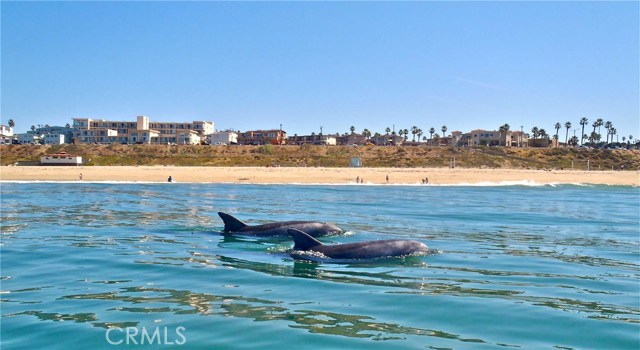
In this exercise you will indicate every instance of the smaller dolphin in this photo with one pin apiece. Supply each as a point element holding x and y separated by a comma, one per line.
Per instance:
<point>392,248</point>
<point>313,228</point>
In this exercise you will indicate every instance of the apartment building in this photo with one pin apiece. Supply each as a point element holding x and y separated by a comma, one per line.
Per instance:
<point>87,130</point>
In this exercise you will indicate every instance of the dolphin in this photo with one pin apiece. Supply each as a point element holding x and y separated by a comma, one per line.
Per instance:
<point>313,228</point>
<point>312,249</point>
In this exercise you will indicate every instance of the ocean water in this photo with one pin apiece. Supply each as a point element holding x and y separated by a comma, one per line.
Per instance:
<point>143,266</point>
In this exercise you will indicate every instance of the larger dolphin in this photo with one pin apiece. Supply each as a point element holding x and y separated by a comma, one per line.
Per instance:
<point>312,249</point>
<point>313,228</point>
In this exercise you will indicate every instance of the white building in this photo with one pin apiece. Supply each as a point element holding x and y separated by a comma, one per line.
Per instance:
<point>6,134</point>
<point>223,138</point>
<point>189,137</point>
<point>62,158</point>
<point>54,139</point>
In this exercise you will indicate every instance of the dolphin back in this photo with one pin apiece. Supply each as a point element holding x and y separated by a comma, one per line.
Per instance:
<point>302,240</point>
<point>231,224</point>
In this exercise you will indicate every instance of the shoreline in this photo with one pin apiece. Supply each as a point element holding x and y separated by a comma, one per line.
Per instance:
<point>313,175</point>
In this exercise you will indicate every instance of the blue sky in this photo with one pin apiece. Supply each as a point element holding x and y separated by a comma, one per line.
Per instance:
<point>256,65</point>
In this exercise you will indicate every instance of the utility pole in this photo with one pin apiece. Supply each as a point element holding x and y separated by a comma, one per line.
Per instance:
<point>521,135</point>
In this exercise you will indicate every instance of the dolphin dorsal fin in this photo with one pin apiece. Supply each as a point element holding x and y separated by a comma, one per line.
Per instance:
<point>231,224</point>
<point>302,240</point>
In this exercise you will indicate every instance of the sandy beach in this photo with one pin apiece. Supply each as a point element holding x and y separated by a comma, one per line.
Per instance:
<point>279,175</point>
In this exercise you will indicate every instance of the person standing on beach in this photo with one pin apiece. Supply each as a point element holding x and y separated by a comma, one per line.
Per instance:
<point>80,176</point>
<point>170,179</point>
<point>387,178</point>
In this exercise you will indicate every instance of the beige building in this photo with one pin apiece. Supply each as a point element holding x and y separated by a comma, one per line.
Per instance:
<point>87,130</point>
<point>481,137</point>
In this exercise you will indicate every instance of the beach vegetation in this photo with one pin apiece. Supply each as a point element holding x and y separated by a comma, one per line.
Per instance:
<point>333,156</point>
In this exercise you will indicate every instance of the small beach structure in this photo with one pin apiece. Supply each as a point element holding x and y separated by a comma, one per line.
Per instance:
<point>356,162</point>
<point>61,158</point>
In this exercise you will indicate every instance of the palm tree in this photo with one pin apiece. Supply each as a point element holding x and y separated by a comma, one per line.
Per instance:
<point>11,123</point>
<point>566,137</point>
<point>543,134</point>
<point>414,131</point>
<point>592,137</point>
<point>535,132</point>
<point>33,128</point>
<point>67,126</point>
<point>600,123</point>
<point>584,121</point>
<point>366,133</point>
<point>444,129</point>
<point>595,125</point>
<point>419,134</point>
<point>613,132</point>
<point>387,130</point>
<point>557,127</point>
<point>504,129</point>
<point>608,125</point>
<point>431,132</point>
<point>574,140</point>
<point>353,129</point>
<point>406,134</point>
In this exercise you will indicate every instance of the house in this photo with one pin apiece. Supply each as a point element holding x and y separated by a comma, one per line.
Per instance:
<point>387,140</point>
<point>48,135</point>
<point>263,137</point>
<point>6,134</point>
<point>54,139</point>
<point>519,139</point>
<point>328,140</point>
<point>227,137</point>
<point>352,139</point>
<point>28,138</point>
<point>481,137</point>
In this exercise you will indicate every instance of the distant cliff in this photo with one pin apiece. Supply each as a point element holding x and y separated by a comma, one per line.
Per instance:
<point>333,156</point>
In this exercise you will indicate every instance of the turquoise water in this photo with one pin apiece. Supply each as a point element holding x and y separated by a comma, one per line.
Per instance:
<point>520,267</point>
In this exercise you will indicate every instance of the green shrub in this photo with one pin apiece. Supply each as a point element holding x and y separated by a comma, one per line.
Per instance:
<point>265,149</point>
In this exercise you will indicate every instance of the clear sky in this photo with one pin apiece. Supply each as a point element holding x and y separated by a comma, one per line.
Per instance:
<point>256,65</point>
